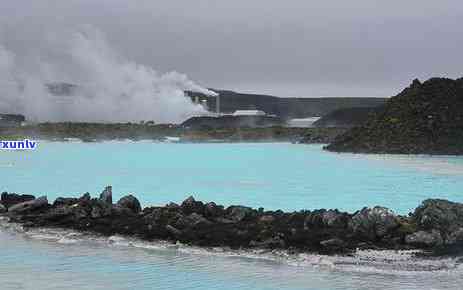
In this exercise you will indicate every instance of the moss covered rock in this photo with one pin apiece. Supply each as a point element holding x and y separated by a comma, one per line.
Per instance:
<point>425,118</point>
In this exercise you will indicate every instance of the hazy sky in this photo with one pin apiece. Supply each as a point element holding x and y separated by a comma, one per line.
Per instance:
<point>288,48</point>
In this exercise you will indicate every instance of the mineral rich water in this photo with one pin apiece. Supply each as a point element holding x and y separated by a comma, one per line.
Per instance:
<point>273,176</point>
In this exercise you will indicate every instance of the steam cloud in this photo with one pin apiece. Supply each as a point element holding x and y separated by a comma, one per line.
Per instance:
<point>109,88</point>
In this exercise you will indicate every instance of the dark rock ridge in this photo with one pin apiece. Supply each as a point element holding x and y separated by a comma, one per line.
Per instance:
<point>425,118</point>
<point>345,118</point>
<point>321,135</point>
<point>436,226</point>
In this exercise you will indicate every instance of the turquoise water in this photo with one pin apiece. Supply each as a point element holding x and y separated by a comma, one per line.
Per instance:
<point>50,260</point>
<point>275,176</point>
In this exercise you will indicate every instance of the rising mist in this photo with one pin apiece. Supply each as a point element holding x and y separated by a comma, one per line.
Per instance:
<point>109,87</point>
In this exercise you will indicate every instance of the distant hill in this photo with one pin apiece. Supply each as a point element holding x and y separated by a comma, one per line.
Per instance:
<point>348,117</point>
<point>286,108</point>
<point>8,120</point>
<point>424,118</point>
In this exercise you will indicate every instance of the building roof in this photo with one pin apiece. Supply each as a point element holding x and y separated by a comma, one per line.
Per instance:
<point>249,113</point>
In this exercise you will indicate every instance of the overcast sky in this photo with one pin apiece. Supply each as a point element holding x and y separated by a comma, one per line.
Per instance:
<point>288,48</point>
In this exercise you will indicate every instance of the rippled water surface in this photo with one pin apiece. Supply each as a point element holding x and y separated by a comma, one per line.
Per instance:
<point>275,176</point>
<point>49,259</point>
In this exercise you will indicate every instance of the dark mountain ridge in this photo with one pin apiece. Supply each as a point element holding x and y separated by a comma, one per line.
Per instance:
<point>230,101</point>
<point>285,108</point>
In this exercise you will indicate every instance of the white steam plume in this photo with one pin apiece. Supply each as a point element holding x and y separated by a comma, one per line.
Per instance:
<point>110,88</point>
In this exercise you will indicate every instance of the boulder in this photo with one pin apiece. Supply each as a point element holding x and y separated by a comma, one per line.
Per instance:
<point>107,195</point>
<point>426,239</point>
<point>267,219</point>
<point>326,218</point>
<point>456,237</point>
<point>65,201</point>
<point>29,205</point>
<point>334,243</point>
<point>80,210</point>
<point>100,209</point>
<point>173,231</point>
<point>85,197</point>
<point>190,205</point>
<point>213,210</point>
<point>58,214</point>
<point>373,223</point>
<point>154,216</point>
<point>173,206</point>
<point>130,202</point>
<point>192,220</point>
<point>10,199</point>
<point>334,218</point>
<point>273,243</point>
<point>2,208</point>
<point>239,213</point>
<point>224,220</point>
<point>442,215</point>
<point>198,220</point>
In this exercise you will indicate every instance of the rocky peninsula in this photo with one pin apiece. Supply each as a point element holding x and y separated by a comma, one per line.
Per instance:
<point>436,226</point>
<point>425,118</point>
<point>92,132</point>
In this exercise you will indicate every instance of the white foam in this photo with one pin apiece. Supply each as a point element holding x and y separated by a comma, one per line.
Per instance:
<point>364,261</point>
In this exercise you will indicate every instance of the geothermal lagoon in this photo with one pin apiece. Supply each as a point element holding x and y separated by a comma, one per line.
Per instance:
<point>270,175</point>
<point>274,176</point>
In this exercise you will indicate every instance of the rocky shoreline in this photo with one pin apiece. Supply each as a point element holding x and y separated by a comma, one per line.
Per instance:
<point>436,226</point>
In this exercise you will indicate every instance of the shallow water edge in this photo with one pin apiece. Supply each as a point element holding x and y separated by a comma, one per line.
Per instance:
<point>404,262</point>
<point>435,226</point>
